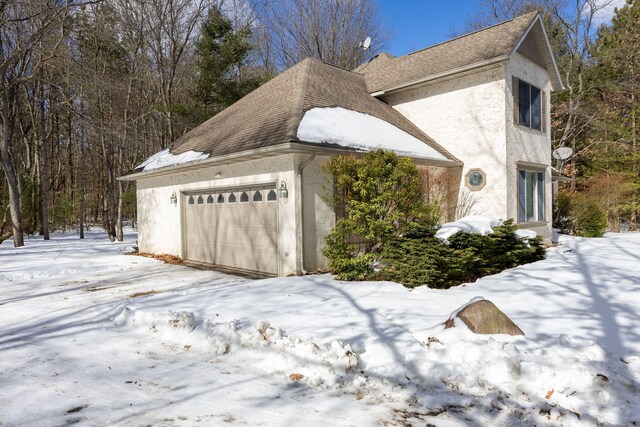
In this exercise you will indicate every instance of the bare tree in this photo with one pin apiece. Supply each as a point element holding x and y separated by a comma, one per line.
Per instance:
<point>23,25</point>
<point>571,25</point>
<point>329,30</point>
<point>171,28</point>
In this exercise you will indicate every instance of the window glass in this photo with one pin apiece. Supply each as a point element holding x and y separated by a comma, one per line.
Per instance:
<point>272,196</point>
<point>530,196</point>
<point>530,188</point>
<point>522,197</point>
<point>232,198</point>
<point>257,196</point>
<point>535,108</point>
<point>220,198</point>
<point>524,104</point>
<point>200,200</point>
<point>191,200</point>
<point>210,199</point>
<point>540,188</point>
<point>244,197</point>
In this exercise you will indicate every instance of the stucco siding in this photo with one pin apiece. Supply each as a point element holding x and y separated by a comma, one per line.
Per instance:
<point>466,116</point>
<point>524,144</point>
<point>159,227</point>
<point>318,215</point>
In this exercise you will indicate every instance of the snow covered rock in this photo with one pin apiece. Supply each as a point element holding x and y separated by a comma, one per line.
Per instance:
<point>483,317</point>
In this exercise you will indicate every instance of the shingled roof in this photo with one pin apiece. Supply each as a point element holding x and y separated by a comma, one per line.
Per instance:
<point>498,41</point>
<point>271,114</point>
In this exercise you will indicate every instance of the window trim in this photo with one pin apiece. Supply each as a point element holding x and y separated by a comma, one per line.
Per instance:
<point>472,187</point>
<point>515,91</point>
<point>538,194</point>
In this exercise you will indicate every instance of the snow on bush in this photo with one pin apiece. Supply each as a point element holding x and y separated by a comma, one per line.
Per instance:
<point>482,225</point>
<point>477,224</point>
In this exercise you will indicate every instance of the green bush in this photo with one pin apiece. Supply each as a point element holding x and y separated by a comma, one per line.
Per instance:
<point>580,214</point>
<point>590,219</point>
<point>562,212</point>
<point>381,195</point>
<point>416,259</point>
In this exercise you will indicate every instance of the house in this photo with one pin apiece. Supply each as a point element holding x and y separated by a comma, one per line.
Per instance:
<point>245,190</point>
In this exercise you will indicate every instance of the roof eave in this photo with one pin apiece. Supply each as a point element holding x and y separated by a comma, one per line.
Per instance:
<point>273,150</point>
<point>291,147</point>
<point>334,149</point>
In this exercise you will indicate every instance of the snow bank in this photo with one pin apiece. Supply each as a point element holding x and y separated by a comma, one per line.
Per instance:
<point>165,158</point>
<point>176,343</point>
<point>361,131</point>
<point>569,381</point>
<point>317,365</point>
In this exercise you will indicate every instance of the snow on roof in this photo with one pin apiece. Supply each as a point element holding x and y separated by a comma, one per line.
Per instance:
<point>361,131</point>
<point>165,158</point>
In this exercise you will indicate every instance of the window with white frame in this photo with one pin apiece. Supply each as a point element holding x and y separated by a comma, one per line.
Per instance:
<point>530,196</point>
<point>529,105</point>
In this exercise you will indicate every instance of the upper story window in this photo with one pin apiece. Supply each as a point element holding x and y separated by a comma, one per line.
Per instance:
<point>529,105</point>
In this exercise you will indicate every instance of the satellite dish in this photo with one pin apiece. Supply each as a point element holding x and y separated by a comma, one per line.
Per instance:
<point>366,43</point>
<point>562,153</point>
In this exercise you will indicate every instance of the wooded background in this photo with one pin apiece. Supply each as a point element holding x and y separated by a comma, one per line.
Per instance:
<point>89,89</point>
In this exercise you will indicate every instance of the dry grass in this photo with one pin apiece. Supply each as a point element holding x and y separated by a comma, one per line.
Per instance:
<point>143,294</point>
<point>166,258</point>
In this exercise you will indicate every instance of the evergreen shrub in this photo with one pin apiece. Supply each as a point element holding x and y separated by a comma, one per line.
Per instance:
<point>381,195</point>
<point>387,224</point>
<point>419,259</point>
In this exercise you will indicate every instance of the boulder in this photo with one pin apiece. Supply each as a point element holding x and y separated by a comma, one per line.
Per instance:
<point>483,317</point>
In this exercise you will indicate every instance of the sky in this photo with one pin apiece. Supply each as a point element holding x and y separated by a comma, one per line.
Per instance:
<point>420,23</point>
<point>417,24</point>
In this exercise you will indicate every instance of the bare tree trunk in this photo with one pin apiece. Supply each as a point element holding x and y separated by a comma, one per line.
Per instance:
<point>125,135</point>
<point>81,180</point>
<point>44,157</point>
<point>634,210</point>
<point>5,217</point>
<point>10,172</point>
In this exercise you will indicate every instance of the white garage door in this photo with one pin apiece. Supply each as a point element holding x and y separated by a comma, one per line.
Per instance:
<point>233,228</point>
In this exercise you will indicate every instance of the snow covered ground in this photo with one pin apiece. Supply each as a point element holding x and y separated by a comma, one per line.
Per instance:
<point>80,342</point>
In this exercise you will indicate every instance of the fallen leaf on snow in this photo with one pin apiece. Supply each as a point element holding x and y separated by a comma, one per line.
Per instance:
<point>549,394</point>
<point>296,377</point>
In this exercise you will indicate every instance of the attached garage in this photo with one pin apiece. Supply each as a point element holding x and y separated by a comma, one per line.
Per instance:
<point>246,189</point>
<point>235,228</point>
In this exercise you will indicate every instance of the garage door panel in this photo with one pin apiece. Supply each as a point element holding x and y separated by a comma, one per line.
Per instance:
<point>237,235</point>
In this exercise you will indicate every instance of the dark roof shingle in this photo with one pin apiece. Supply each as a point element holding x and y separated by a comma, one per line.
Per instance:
<point>483,45</point>
<point>270,115</point>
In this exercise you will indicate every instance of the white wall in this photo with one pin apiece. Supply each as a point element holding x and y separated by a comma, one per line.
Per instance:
<point>524,144</point>
<point>159,225</point>
<point>472,117</point>
<point>318,216</point>
<point>466,116</point>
